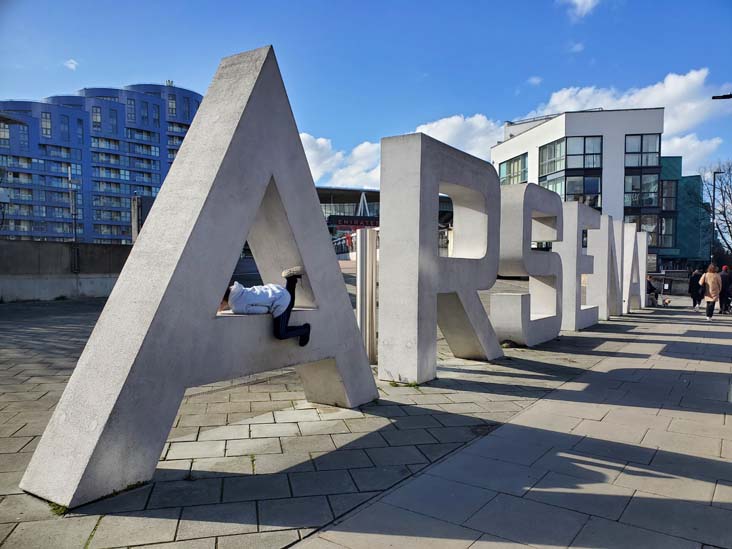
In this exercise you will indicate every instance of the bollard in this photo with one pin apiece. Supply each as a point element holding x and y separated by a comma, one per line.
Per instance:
<point>366,277</point>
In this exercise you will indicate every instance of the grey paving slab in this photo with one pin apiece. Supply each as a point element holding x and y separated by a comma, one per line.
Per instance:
<point>217,520</point>
<point>321,483</point>
<point>264,430</point>
<point>340,504</point>
<point>154,526</point>
<point>305,444</point>
<point>23,508</point>
<point>131,500</point>
<point>323,427</point>
<point>58,533</point>
<point>182,450</point>
<point>256,487</point>
<point>615,450</point>
<point>295,512</point>
<point>692,521</point>
<point>263,540</point>
<point>501,476</point>
<point>226,432</point>
<point>398,455</point>
<point>379,478</point>
<point>514,451</point>
<point>452,434</point>
<point>592,498</point>
<point>440,498</point>
<point>341,459</point>
<point>253,446</point>
<point>221,467</point>
<point>282,463</point>
<point>608,534</point>
<point>353,441</point>
<point>581,466</point>
<point>185,492</point>
<point>486,541</point>
<point>407,437</point>
<point>683,443</point>
<point>529,522</point>
<point>382,525</point>
<point>659,480</point>
<point>205,543</point>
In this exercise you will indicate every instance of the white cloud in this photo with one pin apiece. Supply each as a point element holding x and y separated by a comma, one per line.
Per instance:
<point>686,98</point>
<point>534,80</point>
<point>475,134</point>
<point>576,47</point>
<point>71,64</point>
<point>580,8</point>
<point>321,156</point>
<point>696,152</point>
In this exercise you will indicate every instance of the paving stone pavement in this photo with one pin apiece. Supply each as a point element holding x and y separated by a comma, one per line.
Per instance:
<point>631,451</point>
<point>631,430</point>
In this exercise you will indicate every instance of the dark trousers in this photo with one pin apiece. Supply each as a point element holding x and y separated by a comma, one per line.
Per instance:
<point>282,330</point>
<point>724,302</point>
<point>696,299</point>
<point>710,308</point>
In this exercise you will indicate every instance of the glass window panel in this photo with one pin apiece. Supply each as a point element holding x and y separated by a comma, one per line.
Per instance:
<point>575,185</point>
<point>649,183</point>
<point>632,183</point>
<point>632,143</point>
<point>651,142</point>
<point>593,161</point>
<point>593,145</point>
<point>632,160</point>
<point>650,159</point>
<point>592,185</point>
<point>575,161</point>
<point>575,145</point>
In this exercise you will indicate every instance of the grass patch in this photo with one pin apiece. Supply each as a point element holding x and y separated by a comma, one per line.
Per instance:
<point>58,510</point>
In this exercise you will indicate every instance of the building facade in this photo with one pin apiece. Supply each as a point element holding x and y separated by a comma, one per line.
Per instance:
<point>610,160</point>
<point>71,164</point>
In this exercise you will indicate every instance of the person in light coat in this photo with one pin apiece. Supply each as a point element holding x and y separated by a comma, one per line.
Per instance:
<point>712,284</point>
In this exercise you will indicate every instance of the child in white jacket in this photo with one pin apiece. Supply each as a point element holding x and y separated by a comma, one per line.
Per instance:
<point>270,298</point>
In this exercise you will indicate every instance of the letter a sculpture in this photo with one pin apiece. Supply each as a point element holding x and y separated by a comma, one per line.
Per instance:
<point>241,175</point>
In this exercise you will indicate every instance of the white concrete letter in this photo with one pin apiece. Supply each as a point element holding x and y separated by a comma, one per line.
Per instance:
<point>241,174</point>
<point>417,288</point>
<point>577,218</point>
<point>605,284</point>
<point>633,284</point>
<point>643,266</point>
<point>529,213</point>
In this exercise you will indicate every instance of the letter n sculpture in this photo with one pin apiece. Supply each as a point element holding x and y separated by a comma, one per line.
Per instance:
<point>241,175</point>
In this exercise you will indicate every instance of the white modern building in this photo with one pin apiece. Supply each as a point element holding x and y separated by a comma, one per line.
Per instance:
<point>592,156</point>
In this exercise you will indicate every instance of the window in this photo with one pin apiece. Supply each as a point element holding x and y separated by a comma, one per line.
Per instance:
<point>584,152</point>
<point>514,171</point>
<point>666,232</point>
<point>23,137</point>
<point>551,157</point>
<point>172,105</point>
<point>97,119</point>
<point>65,133</point>
<point>144,113</point>
<point>4,135</point>
<point>649,223</point>
<point>668,195</point>
<point>586,189</point>
<point>642,150</point>
<point>186,108</point>
<point>113,120</point>
<point>641,191</point>
<point>156,116</point>
<point>131,111</point>
<point>46,124</point>
<point>80,130</point>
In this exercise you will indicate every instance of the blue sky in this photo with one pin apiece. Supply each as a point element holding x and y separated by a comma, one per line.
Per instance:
<point>358,71</point>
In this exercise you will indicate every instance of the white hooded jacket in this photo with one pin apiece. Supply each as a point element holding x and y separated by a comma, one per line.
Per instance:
<point>257,300</point>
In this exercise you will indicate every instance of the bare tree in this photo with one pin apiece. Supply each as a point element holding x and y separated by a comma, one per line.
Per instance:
<point>717,193</point>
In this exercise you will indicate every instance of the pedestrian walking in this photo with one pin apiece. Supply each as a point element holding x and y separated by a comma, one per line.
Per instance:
<point>724,295</point>
<point>712,284</point>
<point>695,291</point>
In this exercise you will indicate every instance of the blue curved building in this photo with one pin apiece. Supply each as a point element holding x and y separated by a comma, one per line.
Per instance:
<point>72,163</point>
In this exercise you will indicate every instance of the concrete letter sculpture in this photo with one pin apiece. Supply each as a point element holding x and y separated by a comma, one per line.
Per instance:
<point>577,218</point>
<point>417,288</point>
<point>605,284</point>
<point>241,174</point>
<point>633,284</point>
<point>642,237</point>
<point>529,213</point>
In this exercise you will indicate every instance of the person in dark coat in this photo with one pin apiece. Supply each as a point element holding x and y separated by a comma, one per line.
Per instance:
<point>724,295</point>
<point>695,291</point>
<point>651,292</point>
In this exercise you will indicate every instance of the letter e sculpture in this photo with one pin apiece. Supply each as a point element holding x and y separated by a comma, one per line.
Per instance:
<point>529,213</point>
